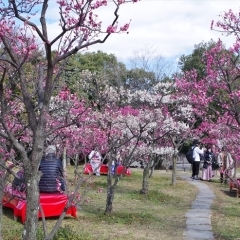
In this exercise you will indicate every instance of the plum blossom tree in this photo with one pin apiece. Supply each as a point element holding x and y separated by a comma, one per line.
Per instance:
<point>62,105</point>
<point>126,118</point>
<point>215,97</point>
<point>26,97</point>
<point>172,123</point>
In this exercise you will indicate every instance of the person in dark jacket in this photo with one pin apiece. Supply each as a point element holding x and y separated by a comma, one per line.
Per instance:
<point>207,171</point>
<point>52,179</point>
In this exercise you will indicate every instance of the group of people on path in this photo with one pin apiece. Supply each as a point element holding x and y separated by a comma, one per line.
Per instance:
<point>211,162</point>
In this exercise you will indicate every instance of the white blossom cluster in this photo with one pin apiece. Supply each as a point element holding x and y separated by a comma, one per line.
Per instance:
<point>163,150</point>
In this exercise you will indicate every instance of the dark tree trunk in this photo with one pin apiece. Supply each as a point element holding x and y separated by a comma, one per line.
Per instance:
<point>32,177</point>
<point>2,185</point>
<point>64,159</point>
<point>110,189</point>
<point>110,197</point>
<point>155,163</point>
<point>235,169</point>
<point>3,182</point>
<point>144,189</point>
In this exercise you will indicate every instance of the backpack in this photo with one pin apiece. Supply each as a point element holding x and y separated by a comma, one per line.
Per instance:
<point>18,182</point>
<point>189,155</point>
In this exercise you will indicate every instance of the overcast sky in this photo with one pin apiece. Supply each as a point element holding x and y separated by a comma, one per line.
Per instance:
<point>172,27</point>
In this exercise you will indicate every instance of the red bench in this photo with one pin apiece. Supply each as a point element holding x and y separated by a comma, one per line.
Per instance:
<point>235,185</point>
<point>121,170</point>
<point>52,204</point>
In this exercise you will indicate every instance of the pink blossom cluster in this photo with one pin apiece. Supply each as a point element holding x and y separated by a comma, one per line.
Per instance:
<point>111,29</point>
<point>59,184</point>
<point>98,4</point>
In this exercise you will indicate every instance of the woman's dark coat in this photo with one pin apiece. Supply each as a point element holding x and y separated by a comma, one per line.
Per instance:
<point>52,170</point>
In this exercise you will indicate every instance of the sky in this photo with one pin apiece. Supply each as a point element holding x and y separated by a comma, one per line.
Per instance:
<point>169,28</point>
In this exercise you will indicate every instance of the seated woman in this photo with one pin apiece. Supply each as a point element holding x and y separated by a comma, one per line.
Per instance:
<point>52,179</point>
<point>95,160</point>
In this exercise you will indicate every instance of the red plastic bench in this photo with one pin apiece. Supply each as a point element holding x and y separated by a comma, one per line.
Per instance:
<point>52,204</point>
<point>234,185</point>
<point>121,170</point>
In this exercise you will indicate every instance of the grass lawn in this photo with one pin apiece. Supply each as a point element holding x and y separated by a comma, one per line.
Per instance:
<point>225,211</point>
<point>158,215</point>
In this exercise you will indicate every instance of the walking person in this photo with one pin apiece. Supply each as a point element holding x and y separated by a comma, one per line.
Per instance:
<point>207,171</point>
<point>197,151</point>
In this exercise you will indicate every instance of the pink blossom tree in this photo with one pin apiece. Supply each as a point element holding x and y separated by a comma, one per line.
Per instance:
<point>21,35</point>
<point>215,97</point>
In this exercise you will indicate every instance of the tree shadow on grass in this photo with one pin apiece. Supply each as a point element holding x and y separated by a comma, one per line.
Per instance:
<point>232,193</point>
<point>8,212</point>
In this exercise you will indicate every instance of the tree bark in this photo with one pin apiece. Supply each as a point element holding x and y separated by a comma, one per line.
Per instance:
<point>235,169</point>
<point>155,163</point>
<point>64,158</point>
<point>32,196</point>
<point>144,189</point>
<point>109,201</point>
<point>3,182</point>
<point>110,189</point>
<point>2,185</point>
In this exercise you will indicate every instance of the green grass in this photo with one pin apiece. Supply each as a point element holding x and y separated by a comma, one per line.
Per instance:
<point>225,212</point>
<point>157,215</point>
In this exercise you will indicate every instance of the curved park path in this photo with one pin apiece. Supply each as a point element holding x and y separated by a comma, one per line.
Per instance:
<point>199,216</point>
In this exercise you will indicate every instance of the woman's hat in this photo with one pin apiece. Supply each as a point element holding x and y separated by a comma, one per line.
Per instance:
<point>50,149</point>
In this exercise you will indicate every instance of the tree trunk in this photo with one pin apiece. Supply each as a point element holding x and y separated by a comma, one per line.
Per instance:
<point>144,189</point>
<point>235,169</point>
<point>110,197</point>
<point>110,189</point>
<point>155,163</point>
<point>64,158</point>
<point>174,170</point>
<point>3,182</point>
<point>76,165</point>
<point>32,195</point>
<point>2,185</point>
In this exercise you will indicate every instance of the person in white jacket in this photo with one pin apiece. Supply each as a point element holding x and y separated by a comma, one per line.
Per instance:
<point>95,161</point>
<point>197,151</point>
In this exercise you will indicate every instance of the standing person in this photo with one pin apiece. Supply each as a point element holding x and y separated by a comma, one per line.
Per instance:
<point>215,165</point>
<point>196,155</point>
<point>117,162</point>
<point>52,179</point>
<point>119,158</point>
<point>209,158</point>
<point>225,161</point>
<point>95,161</point>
